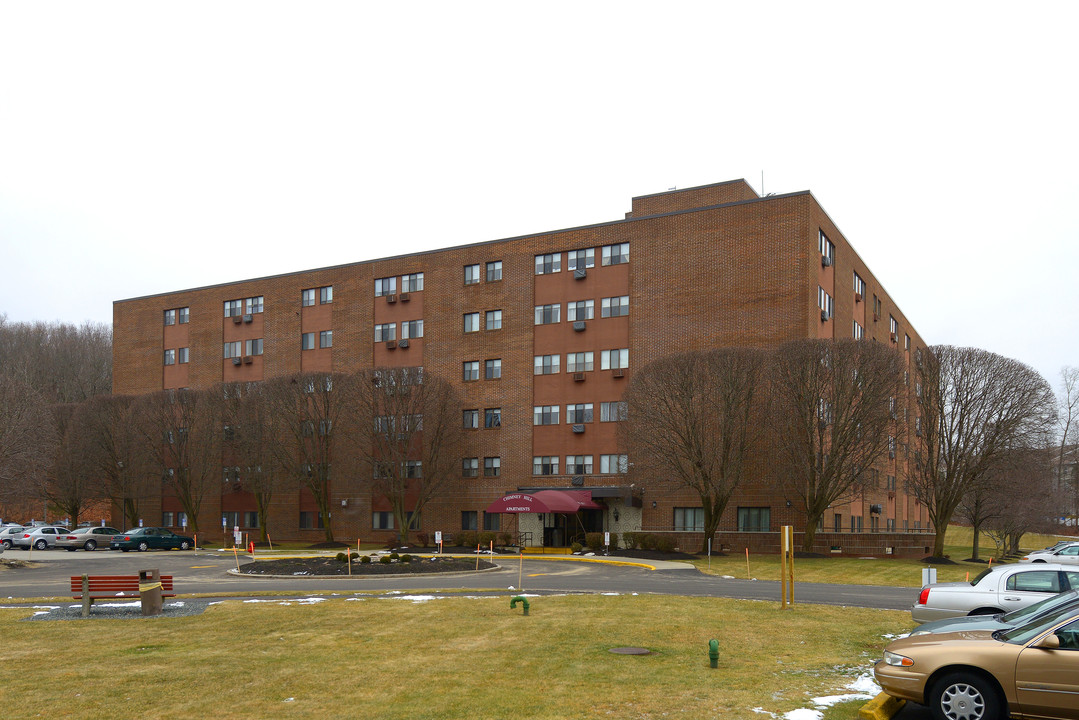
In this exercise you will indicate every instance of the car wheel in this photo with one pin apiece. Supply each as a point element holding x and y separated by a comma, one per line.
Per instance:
<point>185,545</point>
<point>143,547</point>
<point>40,545</point>
<point>6,544</point>
<point>964,696</point>
<point>90,545</point>
<point>1034,562</point>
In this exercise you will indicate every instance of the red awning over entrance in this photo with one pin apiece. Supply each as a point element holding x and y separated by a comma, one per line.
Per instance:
<point>545,501</point>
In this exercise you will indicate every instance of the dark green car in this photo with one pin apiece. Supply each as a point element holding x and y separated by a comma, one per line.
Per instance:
<point>151,538</point>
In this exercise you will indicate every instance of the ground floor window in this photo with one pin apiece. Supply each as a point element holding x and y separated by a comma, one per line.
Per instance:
<point>492,521</point>
<point>754,519</point>
<point>468,520</point>
<point>310,520</point>
<point>382,520</point>
<point>174,519</point>
<point>689,519</point>
<point>251,519</point>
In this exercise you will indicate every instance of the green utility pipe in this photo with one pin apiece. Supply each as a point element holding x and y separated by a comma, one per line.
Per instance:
<point>713,653</point>
<point>524,604</point>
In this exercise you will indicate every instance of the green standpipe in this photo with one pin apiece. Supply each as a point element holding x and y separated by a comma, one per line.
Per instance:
<point>713,653</point>
<point>524,604</point>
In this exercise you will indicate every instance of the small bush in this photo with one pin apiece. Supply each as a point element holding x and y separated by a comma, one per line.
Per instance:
<point>594,540</point>
<point>365,560</point>
<point>486,538</point>
<point>341,557</point>
<point>648,541</point>
<point>423,539</point>
<point>394,556</point>
<point>406,558</point>
<point>505,539</point>
<point>614,541</point>
<point>632,540</point>
<point>664,543</point>
<point>385,560</point>
<point>354,556</point>
<point>576,547</point>
<point>467,538</point>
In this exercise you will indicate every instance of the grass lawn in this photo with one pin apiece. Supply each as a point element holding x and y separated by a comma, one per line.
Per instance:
<point>446,658</point>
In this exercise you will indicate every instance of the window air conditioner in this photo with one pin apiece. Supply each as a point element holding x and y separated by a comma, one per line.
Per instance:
<point>391,298</point>
<point>618,372</point>
<point>247,360</point>
<point>578,326</point>
<point>236,361</point>
<point>237,319</point>
<point>248,318</point>
<point>824,316</point>
<point>857,297</point>
<point>405,297</point>
<point>403,343</point>
<point>578,428</point>
<point>578,377</point>
<point>391,344</point>
<point>580,274</point>
<point>875,509</point>
<point>825,261</point>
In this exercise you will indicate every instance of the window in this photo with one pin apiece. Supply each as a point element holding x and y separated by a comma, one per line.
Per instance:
<point>580,310</point>
<point>859,331</point>
<point>492,521</point>
<point>492,417</point>
<point>906,343</point>
<point>385,286</point>
<point>613,464</point>
<point>170,357</point>
<point>893,327</point>
<point>581,259</point>
<point>233,307</point>
<point>579,362</point>
<point>492,466</point>
<point>413,468</point>
<point>494,271</point>
<point>307,341</point>
<point>688,519</point>
<point>254,305</point>
<point>548,314</point>
<point>579,413</point>
<point>385,332</point>
<point>311,520</point>
<point>471,322</point>
<point>545,465</point>
<point>185,317</point>
<point>545,415</point>
<point>325,339</point>
<point>494,319</point>
<point>254,347</point>
<point>170,317</point>
<point>611,359</point>
<point>468,520</point>
<point>307,297</point>
<point>251,519</point>
<point>183,354</point>
<point>827,249</point>
<point>859,286</point>
<point>614,306</point>
<point>890,524</point>
<point>890,483</point>
<point>470,371</point>
<point>546,364</point>
<point>754,519</point>
<point>470,419</point>
<point>382,520</point>
<point>615,254</point>
<point>837,523</point>
<point>579,464</point>
<point>825,303</point>
<point>413,282</point>
<point>411,329</point>
<point>492,369</point>
<point>1047,581</point>
<point>612,411</point>
<point>472,274</point>
<point>855,523</point>
<point>876,308</point>
<point>547,264</point>
<point>470,467</point>
<point>232,349</point>
<point>325,295</point>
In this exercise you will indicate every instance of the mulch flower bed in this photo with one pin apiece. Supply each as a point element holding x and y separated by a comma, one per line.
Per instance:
<point>333,566</point>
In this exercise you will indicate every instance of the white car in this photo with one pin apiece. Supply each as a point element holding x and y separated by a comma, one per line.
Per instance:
<point>996,590</point>
<point>39,538</point>
<point>8,534</point>
<point>1066,555</point>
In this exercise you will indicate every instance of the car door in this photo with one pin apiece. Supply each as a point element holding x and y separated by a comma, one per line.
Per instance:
<point>1047,680</point>
<point>1068,555</point>
<point>1028,586</point>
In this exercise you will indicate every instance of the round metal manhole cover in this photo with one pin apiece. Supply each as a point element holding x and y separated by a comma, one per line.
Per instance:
<point>631,651</point>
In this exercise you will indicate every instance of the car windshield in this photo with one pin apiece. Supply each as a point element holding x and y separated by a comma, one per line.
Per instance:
<point>1025,633</point>
<point>1025,615</point>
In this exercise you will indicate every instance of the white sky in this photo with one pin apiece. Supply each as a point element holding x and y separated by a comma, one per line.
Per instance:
<point>148,147</point>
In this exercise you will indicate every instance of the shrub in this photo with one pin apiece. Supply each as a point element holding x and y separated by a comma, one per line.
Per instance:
<point>394,556</point>
<point>385,560</point>
<point>576,547</point>
<point>505,539</point>
<point>354,556</point>
<point>648,541</point>
<point>406,558</point>
<point>614,541</point>
<point>340,557</point>
<point>423,539</point>
<point>664,543</point>
<point>366,559</point>
<point>632,540</point>
<point>594,540</point>
<point>486,538</point>
<point>467,538</point>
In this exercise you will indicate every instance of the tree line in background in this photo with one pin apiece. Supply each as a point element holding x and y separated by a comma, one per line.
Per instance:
<point>814,418</point>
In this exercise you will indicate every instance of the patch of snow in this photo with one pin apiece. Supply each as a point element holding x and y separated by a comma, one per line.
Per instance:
<point>136,603</point>
<point>762,711</point>
<point>804,714</point>
<point>289,700</point>
<point>415,598</point>
<point>177,604</point>
<point>610,593</point>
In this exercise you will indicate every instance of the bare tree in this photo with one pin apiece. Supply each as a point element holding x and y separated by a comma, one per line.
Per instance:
<point>1035,509</point>
<point>27,440</point>
<point>688,418</point>
<point>64,363</point>
<point>835,409</point>
<point>71,483</point>
<point>182,431</point>
<point>974,407</point>
<point>117,452</point>
<point>988,502</point>
<point>1068,432</point>
<point>414,439</point>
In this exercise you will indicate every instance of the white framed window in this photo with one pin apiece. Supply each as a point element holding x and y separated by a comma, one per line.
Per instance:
<point>581,259</point>
<point>579,362</point>
<point>827,249</point>
<point>253,305</point>
<point>859,285</point>
<point>578,413</point>
<point>492,417</point>
<point>307,341</point>
<point>548,264</point>
<point>471,322</point>
<point>233,349</point>
<point>470,370</point>
<point>906,343</point>
<point>325,339</point>
<point>580,310</point>
<point>307,297</point>
<point>413,468</point>
<point>612,359</point>
<point>492,369</point>
<point>546,364</point>
<point>579,464</point>
<point>253,347</point>
<point>614,306</point>
<point>170,317</point>
<point>381,520</point>
<point>470,467</point>
<point>385,286</point>
<point>183,355</point>
<point>548,314</point>
<point>494,271</point>
<point>825,303</point>
<point>753,519</point>
<point>615,254</point>
<point>170,357</point>
<point>413,282</point>
<point>385,332</point>
<point>234,307</point>
<point>325,295</point>
<point>472,274</point>
<point>411,329</point>
<point>614,411</point>
<point>470,419</point>
<point>493,319</point>
<point>545,465</point>
<point>545,415</point>
<point>859,331</point>
<point>613,464</point>
<point>688,519</point>
<point>492,466</point>
<point>184,315</point>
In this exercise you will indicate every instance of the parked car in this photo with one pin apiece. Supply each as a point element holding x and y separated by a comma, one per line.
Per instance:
<point>8,533</point>
<point>995,590</point>
<point>38,538</point>
<point>1002,621</point>
<point>1029,671</point>
<point>87,538</point>
<point>156,538</point>
<point>1066,555</point>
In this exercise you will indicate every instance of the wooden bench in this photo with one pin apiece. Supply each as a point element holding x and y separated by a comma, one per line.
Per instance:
<point>111,587</point>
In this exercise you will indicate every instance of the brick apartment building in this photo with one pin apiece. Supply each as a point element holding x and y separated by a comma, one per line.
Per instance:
<point>541,333</point>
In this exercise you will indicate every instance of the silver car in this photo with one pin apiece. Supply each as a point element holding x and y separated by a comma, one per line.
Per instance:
<point>39,538</point>
<point>8,534</point>
<point>87,538</point>
<point>1065,555</point>
<point>996,590</point>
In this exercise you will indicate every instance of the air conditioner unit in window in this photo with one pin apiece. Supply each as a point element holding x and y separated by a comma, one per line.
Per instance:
<point>824,316</point>
<point>578,326</point>
<point>248,318</point>
<point>405,297</point>
<point>236,361</point>
<point>825,261</point>
<point>580,274</point>
<point>875,509</point>
<point>237,319</point>
<point>578,377</point>
<point>891,454</point>
<point>891,495</point>
<point>247,360</point>
<point>618,372</point>
<point>403,343</point>
<point>391,298</point>
<point>578,428</point>
<point>918,432</point>
<point>391,344</point>
<point>857,297</point>
<point>894,338</point>
<point>577,480</point>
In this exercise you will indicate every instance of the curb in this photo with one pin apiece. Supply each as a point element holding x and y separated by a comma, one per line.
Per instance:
<point>882,707</point>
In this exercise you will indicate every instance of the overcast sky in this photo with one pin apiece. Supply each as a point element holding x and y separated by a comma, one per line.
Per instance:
<point>148,147</point>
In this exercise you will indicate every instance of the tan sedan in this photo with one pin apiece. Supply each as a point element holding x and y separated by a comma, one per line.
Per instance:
<point>1031,671</point>
<point>87,538</point>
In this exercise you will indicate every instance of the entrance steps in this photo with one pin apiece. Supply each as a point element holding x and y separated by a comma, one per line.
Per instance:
<point>546,551</point>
